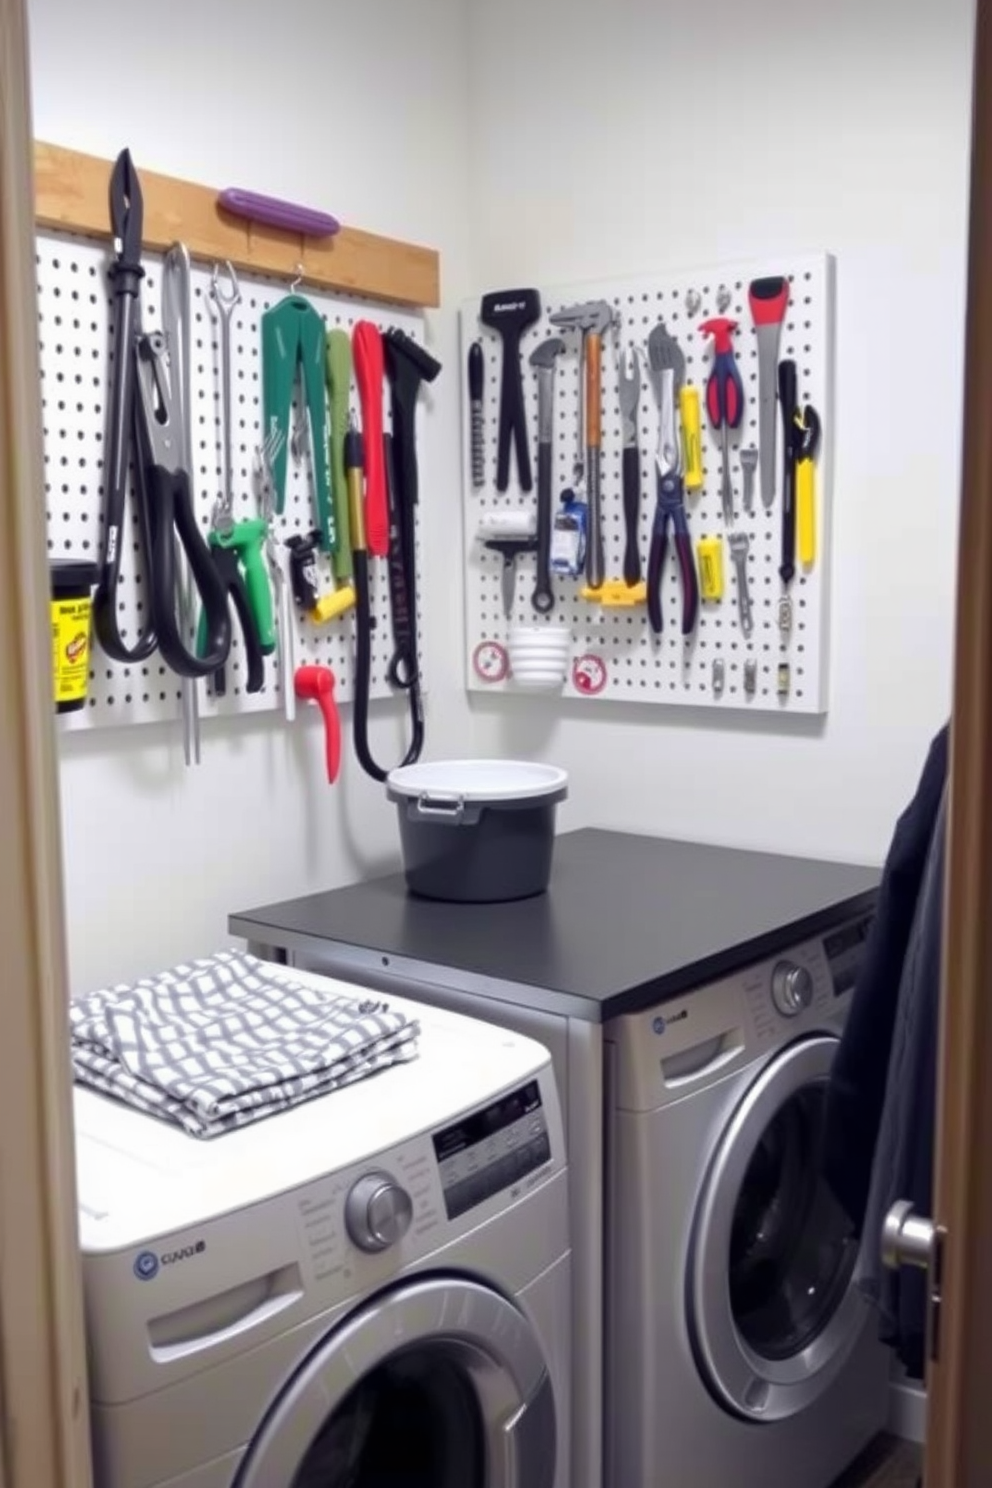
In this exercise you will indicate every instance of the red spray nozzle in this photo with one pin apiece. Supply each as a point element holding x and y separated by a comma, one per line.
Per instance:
<point>721,329</point>
<point>315,684</point>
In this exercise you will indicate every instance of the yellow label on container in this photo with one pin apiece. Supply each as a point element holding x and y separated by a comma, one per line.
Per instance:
<point>70,648</point>
<point>710,553</point>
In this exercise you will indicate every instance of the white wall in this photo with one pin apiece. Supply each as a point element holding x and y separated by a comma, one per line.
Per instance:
<point>360,109</point>
<point>617,138</point>
<point>556,141</point>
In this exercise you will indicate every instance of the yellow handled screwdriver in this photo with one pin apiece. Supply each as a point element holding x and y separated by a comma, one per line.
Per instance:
<point>808,429</point>
<point>692,437</point>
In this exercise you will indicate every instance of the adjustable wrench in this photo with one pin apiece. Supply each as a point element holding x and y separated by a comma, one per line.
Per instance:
<point>543,361</point>
<point>740,545</point>
<point>593,319</point>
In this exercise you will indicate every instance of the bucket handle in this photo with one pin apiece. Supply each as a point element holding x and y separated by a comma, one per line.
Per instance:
<point>451,810</point>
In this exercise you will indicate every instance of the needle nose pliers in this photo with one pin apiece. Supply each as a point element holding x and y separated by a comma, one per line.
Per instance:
<point>667,368</point>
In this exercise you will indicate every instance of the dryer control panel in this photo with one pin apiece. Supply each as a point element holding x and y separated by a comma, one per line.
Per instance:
<point>702,1035</point>
<point>493,1147</point>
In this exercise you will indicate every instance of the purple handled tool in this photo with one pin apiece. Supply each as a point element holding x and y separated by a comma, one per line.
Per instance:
<point>276,213</point>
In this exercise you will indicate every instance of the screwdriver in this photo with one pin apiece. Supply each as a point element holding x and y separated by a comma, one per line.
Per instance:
<point>724,398</point>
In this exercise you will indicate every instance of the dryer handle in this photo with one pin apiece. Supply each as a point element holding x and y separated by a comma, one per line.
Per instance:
<point>702,1059</point>
<point>226,1315</point>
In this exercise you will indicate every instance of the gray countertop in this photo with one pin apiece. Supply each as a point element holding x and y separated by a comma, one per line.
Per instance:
<point>627,922</point>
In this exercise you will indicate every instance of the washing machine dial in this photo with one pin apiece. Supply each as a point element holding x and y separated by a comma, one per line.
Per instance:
<point>792,988</point>
<point>377,1212</point>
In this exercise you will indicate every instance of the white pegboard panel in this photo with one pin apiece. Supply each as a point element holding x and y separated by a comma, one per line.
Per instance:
<point>76,337</point>
<point>638,666</point>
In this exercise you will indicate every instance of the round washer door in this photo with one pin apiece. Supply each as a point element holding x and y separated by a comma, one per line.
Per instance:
<point>772,1310</point>
<point>441,1382</point>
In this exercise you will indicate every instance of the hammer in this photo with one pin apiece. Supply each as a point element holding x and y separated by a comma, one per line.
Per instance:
<point>593,319</point>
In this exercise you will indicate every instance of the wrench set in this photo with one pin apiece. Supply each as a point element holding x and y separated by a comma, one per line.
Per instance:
<point>642,505</point>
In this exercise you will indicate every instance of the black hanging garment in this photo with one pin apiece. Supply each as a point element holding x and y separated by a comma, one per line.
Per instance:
<point>881,1102</point>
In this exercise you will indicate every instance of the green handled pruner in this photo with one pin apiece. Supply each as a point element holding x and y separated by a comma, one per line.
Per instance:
<point>294,339</point>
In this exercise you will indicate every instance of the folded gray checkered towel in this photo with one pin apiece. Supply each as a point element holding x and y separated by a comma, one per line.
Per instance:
<point>216,1043</point>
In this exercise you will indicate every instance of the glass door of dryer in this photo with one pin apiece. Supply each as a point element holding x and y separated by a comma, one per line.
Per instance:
<point>773,1309</point>
<point>440,1383</point>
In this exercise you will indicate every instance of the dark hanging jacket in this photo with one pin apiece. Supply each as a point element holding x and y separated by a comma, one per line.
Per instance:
<point>903,1167</point>
<point>856,1093</point>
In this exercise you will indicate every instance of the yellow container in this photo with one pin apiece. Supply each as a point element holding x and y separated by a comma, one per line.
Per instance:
<point>709,551</point>
<point>72,582</point>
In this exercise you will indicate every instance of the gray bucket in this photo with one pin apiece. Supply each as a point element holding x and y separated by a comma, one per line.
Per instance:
<point>477,831</point>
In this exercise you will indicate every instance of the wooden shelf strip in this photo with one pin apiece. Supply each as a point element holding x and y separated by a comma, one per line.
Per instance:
<point>71,194</point>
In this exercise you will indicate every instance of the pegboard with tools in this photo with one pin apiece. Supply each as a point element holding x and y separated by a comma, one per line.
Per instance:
<point>76,344</point>
<point>738,617</point>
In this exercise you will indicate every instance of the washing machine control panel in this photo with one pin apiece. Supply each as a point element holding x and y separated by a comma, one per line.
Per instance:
<point>492,1148</point>
<point>792,988</point>
<point>844,950</point>
<point>657,1055</point>
<point>377,1211</point>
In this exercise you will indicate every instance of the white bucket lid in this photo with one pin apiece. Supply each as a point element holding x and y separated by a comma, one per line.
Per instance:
<point>478,780</point>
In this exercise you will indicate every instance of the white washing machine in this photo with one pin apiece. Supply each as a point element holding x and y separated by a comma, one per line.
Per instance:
<point>369,1291</point>
<point>738,1349</point>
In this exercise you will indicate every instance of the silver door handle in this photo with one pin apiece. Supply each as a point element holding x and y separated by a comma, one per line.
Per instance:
<point>907,1238</point>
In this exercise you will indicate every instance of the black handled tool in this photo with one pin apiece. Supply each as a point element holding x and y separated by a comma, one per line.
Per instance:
<point>228,565</point>
<point>126,274</point>
<point>171,516</point>
<point>402,671</point>
<point>407,366</point>
<point>476,386</point>
<point>511,312</point>
<point>509,549</point>
<point>791,439</point>
<point>629,388</point>
<point>543,361</point>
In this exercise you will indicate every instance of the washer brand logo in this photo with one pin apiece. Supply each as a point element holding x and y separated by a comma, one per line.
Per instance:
<point>660,1024</point>
<point>186,1253</point>
<point>147,1264</point>
<point>505,306</point>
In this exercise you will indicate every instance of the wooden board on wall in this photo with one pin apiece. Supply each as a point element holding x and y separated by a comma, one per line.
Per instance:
<point>71,194</point>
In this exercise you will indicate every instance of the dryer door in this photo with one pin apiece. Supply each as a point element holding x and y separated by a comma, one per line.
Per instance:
<point>772,1308</point>
<point>439,1384</point>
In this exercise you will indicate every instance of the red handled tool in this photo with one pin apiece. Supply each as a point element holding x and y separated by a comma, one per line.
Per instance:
<point>724,398</point>
<point>369,372</point>
<point>315,684</point>
<point>769,300</point>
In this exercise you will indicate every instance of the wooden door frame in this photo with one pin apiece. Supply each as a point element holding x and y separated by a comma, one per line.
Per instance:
<point>959,1428</point>
<point>44,1440</point>
<point>44,1423</point>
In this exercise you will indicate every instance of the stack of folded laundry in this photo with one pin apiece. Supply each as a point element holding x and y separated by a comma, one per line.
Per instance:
<point>216,1043</point>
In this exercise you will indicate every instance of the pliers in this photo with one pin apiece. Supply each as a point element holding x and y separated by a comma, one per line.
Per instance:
<point>227,564</point>
<point>171,516</point>
<point>666,367</point>
<point>237,553</point>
